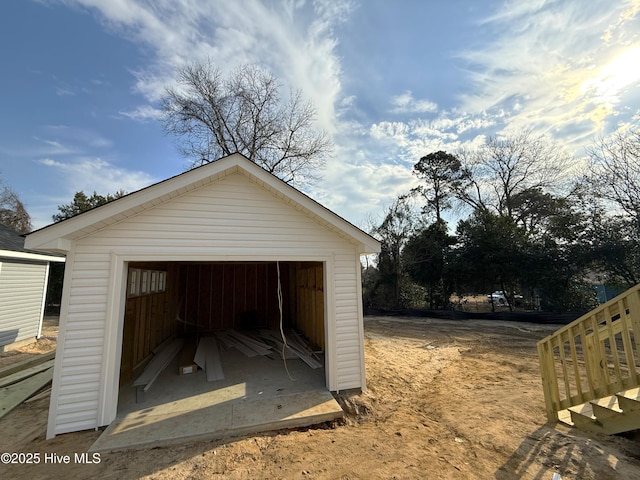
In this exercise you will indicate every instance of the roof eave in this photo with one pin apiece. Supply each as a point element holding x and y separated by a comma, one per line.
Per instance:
<point>59,237</point>
<point>30,256</point>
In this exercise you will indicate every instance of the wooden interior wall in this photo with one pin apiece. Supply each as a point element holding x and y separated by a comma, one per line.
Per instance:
<point>309,304</point>
<point>206,297</point>
<point>148,321</point>
<point>218,296</point>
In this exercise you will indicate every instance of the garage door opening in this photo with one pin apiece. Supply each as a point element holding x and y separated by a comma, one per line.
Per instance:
<point>194,300</point>
<point>191,301</point>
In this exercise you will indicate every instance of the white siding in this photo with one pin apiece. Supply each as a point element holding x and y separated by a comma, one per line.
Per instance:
<point>229,219</point>
<point>83,343</point>
<point>21,296</point>
<point>348,341</point>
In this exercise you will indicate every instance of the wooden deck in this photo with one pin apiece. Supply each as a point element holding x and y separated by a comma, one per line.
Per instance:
<point>591,368</point>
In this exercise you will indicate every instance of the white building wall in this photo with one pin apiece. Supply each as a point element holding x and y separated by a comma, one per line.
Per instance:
<point>22,285</point>
<point>231,219</point>
<point>79,357</point>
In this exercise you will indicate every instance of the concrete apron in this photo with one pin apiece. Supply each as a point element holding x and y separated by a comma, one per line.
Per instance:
<point>256,395</point>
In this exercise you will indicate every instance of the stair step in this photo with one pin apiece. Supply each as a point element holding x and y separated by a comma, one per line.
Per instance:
<point>582,417</point>
<point>564,416</point>
<point>606,408</point>
<point>629,400</point>
<point>610,415</point>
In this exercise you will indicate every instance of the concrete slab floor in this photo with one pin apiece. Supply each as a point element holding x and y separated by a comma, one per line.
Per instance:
<point>256,395</point>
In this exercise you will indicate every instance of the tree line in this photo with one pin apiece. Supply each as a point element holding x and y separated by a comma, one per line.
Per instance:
<point>531,221</point>
<point>517,214</point>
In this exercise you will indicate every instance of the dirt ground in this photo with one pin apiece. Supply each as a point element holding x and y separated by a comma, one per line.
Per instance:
<point>447,399</point>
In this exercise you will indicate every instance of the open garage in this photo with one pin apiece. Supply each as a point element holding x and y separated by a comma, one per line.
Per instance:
<point>198,254</point>
<point>193,300</point>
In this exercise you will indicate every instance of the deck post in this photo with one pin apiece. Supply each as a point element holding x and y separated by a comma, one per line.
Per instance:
<point>549,380</point>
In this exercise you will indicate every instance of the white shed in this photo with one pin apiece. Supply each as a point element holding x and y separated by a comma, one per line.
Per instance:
<point>23,287</point>
<point>202,248</point>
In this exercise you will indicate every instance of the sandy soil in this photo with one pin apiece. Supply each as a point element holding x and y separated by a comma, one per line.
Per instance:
<point>446,400</point>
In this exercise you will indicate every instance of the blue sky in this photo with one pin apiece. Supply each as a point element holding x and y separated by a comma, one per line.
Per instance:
<point>392,81</point>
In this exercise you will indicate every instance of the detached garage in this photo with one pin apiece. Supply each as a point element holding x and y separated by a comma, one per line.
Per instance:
<point>23,289</point>
<point>205,251</point>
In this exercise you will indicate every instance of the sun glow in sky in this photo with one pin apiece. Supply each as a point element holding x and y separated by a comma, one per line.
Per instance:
<point>612,79</point>
<point>392,82</point>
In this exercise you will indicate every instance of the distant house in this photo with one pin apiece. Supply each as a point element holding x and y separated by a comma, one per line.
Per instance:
<point>215,248</point>
<point>23,287</point>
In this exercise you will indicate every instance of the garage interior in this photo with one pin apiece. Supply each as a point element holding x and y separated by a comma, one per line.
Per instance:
<point>195,300</point>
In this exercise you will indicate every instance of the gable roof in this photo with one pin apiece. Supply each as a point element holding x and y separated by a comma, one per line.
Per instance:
<point>58,237</point>
<point>12,246</point>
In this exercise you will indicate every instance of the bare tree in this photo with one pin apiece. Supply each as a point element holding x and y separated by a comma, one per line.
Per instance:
<point>13,213</point>
<point>244,113</point>
<point>615,171</point>
<point>504,168</point>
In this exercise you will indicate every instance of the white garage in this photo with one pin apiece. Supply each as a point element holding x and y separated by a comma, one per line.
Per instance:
<point>23,288</point>
<point>205,250</point>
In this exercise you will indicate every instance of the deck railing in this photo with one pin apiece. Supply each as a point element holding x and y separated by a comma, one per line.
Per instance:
<point>594,356</point>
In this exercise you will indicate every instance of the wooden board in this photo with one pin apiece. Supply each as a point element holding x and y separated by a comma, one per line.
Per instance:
<point>43,394</point>
<point>14,395</point>
<point>259,347</point>
<point>29,362</point>
<point>26,373</point>
<point>208,358</point>
<point>213,365</point>
<point>279,346</point>
<point>200,358</point>
<point>158,363</point>
<point>231,342</point>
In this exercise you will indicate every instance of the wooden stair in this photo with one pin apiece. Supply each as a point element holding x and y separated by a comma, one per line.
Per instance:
<point>610,415</point>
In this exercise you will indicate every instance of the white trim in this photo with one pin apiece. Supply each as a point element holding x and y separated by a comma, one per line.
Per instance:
<point>331,372</point>
<point>112,353</point>
<point>113,332</point>
<point>363,376</point>
<point>60,342</point>
<point>30,256</point>
<point>217,256</point>
<point>44,300</point>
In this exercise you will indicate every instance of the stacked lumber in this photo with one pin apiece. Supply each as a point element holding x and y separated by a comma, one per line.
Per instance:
<point>275,339</point>
<point>296,346</point>
<point>251,347</point>
<point>267,343</point>
<point>21,381</point>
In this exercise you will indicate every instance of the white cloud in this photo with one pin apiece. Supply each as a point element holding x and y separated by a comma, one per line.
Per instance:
<point>548,66</point>
<point>293,39</point>
<point>79,137</point>
<point>406,103</point>
<point>356,186</point>
<point>392,130</point>
<point>61,179</point>
<point>95,174</point>
<point>142,113</point>
<point>551,67</point>
<point>64,92</point>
